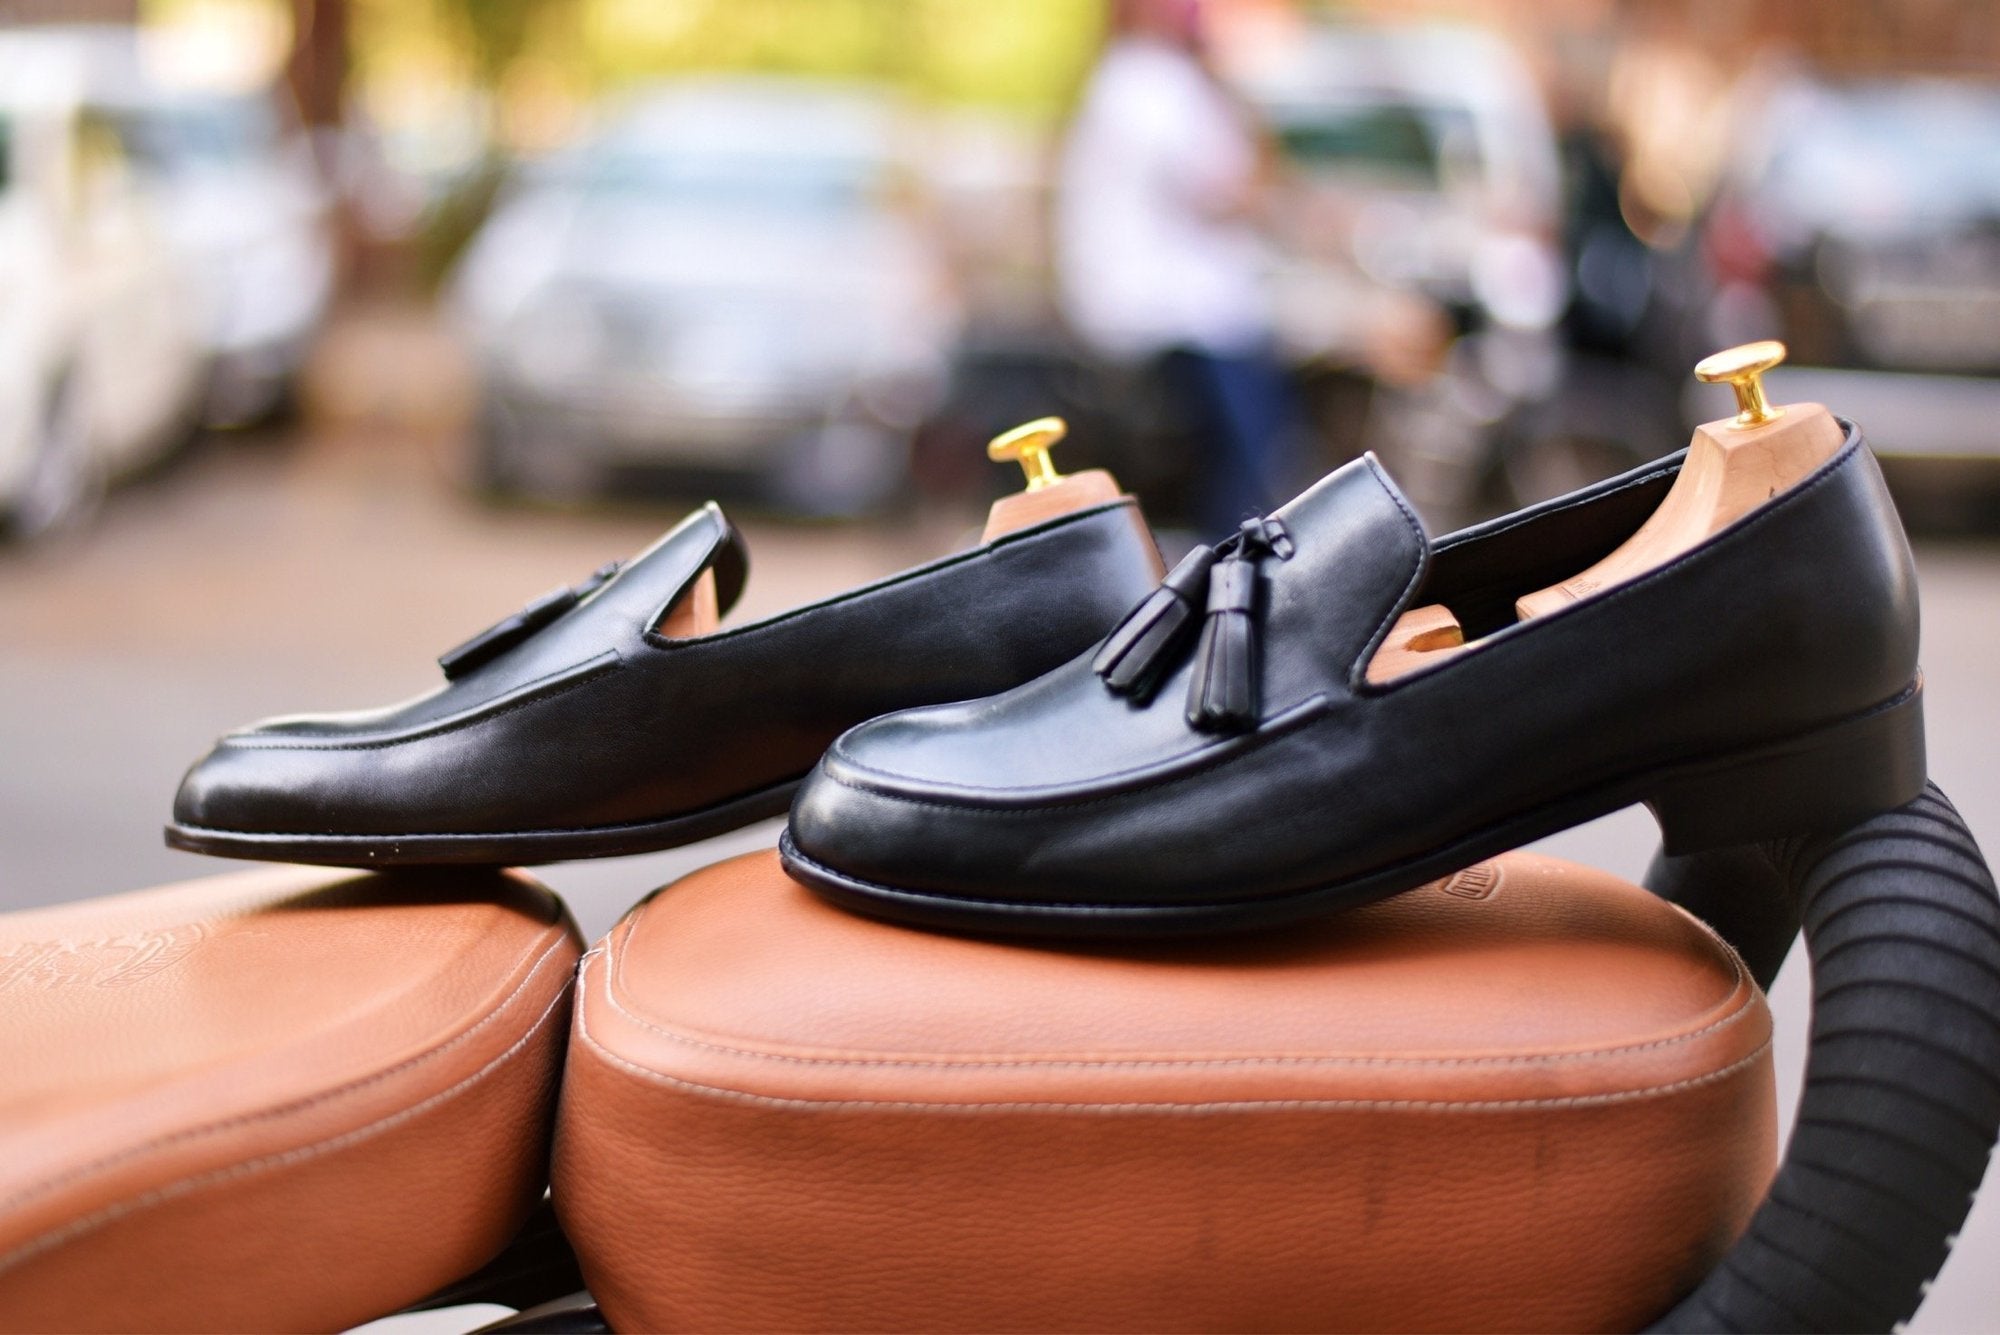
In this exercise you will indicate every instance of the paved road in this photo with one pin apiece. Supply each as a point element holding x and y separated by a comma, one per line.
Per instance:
<point>263,576</point>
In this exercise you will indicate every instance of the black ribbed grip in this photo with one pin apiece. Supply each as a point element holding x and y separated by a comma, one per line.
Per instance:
<point>1901,1102</point>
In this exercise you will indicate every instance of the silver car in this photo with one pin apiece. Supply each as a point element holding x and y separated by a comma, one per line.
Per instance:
<point>1863,228</point>
<point>101,357</point>
<point>244,202</point>
<point>728,279</point>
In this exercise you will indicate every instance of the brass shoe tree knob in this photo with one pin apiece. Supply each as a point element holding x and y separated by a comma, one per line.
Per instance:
<point>1742,369</point>
<point>1029,445</point>
<point>1049,494</point>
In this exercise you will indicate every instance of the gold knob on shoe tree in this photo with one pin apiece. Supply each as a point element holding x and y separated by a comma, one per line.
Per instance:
<point>1028,445</point>
<point>1742,369</point>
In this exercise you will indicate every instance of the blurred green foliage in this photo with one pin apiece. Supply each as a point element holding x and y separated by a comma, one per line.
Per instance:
<point>1023,56</point>
<point>1019,57</point>
<point>494,32</point>
<point>1026,56</point>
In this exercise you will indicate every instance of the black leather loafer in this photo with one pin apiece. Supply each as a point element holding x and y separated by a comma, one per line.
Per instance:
<point>576,729</point>
<point>1763,683</point>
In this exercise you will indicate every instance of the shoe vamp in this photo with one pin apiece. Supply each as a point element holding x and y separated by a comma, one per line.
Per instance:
<point>1058,732</point>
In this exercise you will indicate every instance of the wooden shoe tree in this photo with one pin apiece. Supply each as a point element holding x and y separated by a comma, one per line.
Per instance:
<point>1733,467</point>
<point>695,614</point>
<point>1048,495</point>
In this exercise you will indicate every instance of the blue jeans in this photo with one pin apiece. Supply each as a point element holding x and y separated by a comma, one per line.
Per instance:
<point>1243,409</point>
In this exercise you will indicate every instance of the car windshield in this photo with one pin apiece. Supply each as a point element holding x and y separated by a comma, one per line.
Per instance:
<point>775,182</point>
<point>1927,152</point>
<point>1379,138</point>
<point>192,134</point>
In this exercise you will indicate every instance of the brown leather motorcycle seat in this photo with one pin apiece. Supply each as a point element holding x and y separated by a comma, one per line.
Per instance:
<point>286,1099</point>
<point>1530,1096</point>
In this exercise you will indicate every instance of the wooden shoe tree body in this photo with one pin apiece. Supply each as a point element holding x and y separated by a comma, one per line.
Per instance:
<point>1733,467</point>
<point>1048,495</point>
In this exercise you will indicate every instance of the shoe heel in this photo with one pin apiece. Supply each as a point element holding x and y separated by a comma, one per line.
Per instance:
<point>1825,779</point>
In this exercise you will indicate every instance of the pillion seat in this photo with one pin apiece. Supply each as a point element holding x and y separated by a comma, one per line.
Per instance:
<point>1530,1095</point>
<point>284,1099</point>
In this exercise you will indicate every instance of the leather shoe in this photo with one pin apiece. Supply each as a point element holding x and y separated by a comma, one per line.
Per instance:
<point>577,728</point>
<point>1763,683</point>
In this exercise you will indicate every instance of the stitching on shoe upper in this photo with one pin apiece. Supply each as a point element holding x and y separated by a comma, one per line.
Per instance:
<point>914,573</point>
<point>1706,549</point>
<point>290,836</point>
<point>704,560</point>
<point>1358,669</point>
<point>559,681</point>
<point>533,692</point>
<point>1279,725</point>
<point>1529,514</point>
<point>790,849</point>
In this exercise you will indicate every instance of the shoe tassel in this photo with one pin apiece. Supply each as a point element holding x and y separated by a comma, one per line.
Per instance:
<point>1222,691</point>
<point>1137,655</point>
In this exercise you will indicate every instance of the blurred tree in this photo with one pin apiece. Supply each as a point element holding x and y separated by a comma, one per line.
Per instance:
<point>494,32</point>
<point>1026,55</point>
<point>317,69</point>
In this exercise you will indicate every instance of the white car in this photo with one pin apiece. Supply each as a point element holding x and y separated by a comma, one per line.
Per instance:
<point>243,201</point>
<point>727,279</point>
<point>1421,161</point>
<point>101,361</point>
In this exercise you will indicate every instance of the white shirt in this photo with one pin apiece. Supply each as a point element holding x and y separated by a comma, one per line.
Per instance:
<point>1144,258</point>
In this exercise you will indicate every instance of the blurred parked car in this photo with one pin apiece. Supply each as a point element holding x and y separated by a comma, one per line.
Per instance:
<point>1419,220</point>
<point>1863,228</point>
<point>237,185</point>
<point>1420,160</point>
<point>101,360</point>
<point>728,279</point>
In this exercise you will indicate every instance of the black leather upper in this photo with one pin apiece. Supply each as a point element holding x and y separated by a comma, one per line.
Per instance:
<point>594,720</point>
<point>1062,791</point>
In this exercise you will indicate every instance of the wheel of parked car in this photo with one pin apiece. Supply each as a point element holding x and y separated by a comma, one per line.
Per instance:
<point>839,471</point>
<point>513,457</point>
<point>64,481</point>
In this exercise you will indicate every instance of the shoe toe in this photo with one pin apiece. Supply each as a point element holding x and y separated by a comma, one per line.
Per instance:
<point>253,782</point>
<point>227,789</point>
<point>881,803</point>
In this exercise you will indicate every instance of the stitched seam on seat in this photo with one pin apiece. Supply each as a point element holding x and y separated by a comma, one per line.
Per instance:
<point>590,669</point>
<point>1029,1105</point>
<point>615,975</point>
<point>1176,1109</point>
<point>981,552</point>
<point>287,1109</point>
<point>160,1195</point>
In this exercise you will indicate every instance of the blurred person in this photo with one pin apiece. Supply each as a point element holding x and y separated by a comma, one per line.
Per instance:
<point>1159,256</point>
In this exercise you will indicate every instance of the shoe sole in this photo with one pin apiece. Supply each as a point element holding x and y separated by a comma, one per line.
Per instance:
<point>503,849</point>
<point>1823,779</point>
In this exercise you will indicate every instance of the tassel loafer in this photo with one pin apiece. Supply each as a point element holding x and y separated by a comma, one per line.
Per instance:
<point>1229,756</point>
<point>602,720</point>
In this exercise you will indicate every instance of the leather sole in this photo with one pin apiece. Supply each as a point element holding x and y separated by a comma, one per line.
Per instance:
<point>504,849</point>
<point>1828,777</point>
